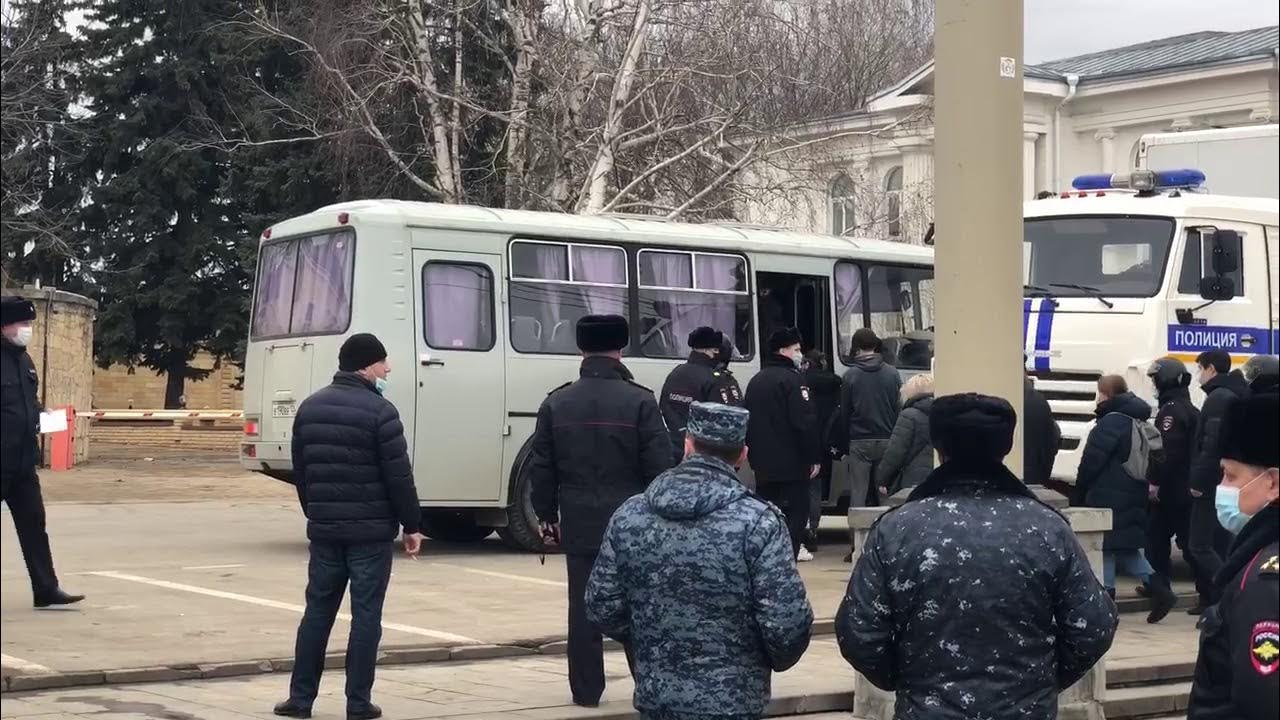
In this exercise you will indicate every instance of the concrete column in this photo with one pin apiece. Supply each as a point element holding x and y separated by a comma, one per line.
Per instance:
<point>1106,138</point>
<point>917,190</point>
<point>978,192</point>
<point>1029,165</point>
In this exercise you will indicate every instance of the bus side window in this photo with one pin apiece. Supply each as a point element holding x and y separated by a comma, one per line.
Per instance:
<point>553,284</point>
<point>1194,264</point>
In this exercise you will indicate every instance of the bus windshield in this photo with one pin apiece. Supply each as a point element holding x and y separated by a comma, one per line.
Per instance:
<point>1096,255</point>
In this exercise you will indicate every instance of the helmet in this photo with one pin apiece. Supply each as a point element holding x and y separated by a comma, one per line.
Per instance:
<point>1260,366</point>
<point>1169,372</point>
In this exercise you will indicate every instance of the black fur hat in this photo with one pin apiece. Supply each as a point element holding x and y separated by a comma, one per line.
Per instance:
<point>14,309</point>
<point>972,427</point>
<point>786,337</point>
<point>602,333</point>
<point>705,338</point>
<point>1252,426</point>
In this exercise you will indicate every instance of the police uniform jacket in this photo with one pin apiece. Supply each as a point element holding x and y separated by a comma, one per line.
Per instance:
<point>697,575</point>
<point>598,441</point>
<point>1219,392</point>
<point>19,413</point>
<point>782,434</point>
<point>351,465</point>
<point>1171,467</point>
<point>1238,668</point>
<point>699,379</point>
<point>960,623</point>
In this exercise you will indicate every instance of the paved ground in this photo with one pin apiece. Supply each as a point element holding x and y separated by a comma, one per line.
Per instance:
<point>522,688</point>
<point>119,474</point>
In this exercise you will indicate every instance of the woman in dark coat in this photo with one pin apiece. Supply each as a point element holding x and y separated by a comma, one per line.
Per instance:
<point>1103,482</point>
<point>908,459</point>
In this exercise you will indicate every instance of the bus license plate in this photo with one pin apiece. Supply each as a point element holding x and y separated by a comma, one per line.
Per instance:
<point>284,409</point>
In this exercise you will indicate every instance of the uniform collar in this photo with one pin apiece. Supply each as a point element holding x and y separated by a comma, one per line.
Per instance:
<point>699,358</point>
<point>600,366</point>
<point>1262,530</point>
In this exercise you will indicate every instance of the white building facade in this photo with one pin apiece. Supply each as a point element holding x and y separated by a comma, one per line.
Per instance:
<point>870,173</point>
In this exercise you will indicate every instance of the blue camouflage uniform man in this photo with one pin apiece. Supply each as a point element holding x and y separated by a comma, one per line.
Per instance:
<point>697,575</point>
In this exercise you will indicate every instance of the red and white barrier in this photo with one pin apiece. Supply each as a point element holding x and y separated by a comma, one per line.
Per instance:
<point>162,414</point>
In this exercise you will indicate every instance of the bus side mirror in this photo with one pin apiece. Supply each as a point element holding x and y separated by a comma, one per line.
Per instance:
<point>1217,288</point>
<point>1223,259</point>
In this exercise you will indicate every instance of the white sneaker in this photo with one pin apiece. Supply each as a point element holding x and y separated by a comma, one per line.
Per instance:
<point>804,555</point>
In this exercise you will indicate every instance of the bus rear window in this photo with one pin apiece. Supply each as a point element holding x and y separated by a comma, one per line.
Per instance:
<point>304,286</point>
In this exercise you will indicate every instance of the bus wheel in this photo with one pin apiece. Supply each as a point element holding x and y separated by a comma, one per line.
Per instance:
<point>452,526</point>
<point>522,531</point>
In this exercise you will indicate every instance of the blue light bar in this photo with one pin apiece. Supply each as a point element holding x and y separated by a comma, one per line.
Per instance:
<point>1141,180</point>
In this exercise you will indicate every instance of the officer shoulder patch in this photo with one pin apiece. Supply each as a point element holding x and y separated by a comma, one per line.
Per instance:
<point>633,382</point>
<point>1270,566</point>
<point>1167,423</point>
<point>1264,647</point>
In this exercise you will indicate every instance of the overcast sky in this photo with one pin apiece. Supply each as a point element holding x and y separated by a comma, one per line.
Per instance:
<point>1062,28</point>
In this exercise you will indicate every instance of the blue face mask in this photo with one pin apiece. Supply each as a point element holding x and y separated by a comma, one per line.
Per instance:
<point>380,384</point>
<point>1226,500</point>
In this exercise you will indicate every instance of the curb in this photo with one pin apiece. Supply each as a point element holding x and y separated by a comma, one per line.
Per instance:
<point>393,655</point>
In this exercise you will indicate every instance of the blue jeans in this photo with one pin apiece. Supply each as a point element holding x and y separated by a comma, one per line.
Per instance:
<point>368,567</point>
<point>1131,562</point>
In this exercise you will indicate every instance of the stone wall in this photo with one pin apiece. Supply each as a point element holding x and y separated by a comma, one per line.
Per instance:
<point>63,327</point>
<point>119,387</point>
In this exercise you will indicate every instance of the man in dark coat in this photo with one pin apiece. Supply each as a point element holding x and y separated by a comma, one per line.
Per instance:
<point>730,383</point>
<point>699,379</point>
<point>1102,481</point>
<point>945,611</point>
<point>1221,386</point>
<point>598,441</point>
<point>696,576</point>
<point>869,405</point>
<point>1170,500</point>
<point>351,466</point>
<point>783,432</point>
<point>20,451</point>
<point>1041,436</point>
<point>824,392</point>
<point>1238,669</point>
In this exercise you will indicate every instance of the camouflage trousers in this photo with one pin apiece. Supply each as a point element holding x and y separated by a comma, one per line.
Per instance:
<point>672,715</point>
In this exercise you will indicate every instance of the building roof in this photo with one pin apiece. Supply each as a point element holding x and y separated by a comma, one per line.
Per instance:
<point>1200,48</point>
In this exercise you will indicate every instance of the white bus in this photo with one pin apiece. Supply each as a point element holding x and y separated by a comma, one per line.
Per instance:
<point>477,309</point>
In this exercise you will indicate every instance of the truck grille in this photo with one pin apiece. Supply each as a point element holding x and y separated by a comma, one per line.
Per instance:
<point>1071,397</point>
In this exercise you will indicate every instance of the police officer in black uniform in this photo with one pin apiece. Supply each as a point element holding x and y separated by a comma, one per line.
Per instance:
<point>729,382</point>
<point>699,379</point>
<point>1238,669</point>
<point>1169,471</point>
<point>20,451</point>
<point>598,441</point>
<point>783,431</point>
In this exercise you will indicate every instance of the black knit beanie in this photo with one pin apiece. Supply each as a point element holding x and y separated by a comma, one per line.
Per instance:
<point>360,351</point>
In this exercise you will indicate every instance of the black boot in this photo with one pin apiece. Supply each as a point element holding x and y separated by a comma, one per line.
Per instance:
<point>369,712</point>
<point>57,597</point>
<point>1162,598</point>
<point>289,708</point>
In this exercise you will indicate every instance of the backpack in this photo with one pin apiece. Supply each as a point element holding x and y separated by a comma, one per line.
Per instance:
<point>1145,444</point>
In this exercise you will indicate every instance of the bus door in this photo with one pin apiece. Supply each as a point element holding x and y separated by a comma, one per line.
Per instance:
<point>1240,325</point>
<point>459,370</point>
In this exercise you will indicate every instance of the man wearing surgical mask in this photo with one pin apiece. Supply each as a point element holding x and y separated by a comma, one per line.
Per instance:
<point>20,451</point>
<point>1238,669</point>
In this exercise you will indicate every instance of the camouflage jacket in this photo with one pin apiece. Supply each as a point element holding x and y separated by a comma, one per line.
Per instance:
<point>974,600</point>
<point>697,573</point>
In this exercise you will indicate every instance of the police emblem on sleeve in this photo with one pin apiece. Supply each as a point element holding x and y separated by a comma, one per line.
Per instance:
<point>804,392</point>
<point>1264,647</point>
<point>1167,423</point>
<point>1270,566</point>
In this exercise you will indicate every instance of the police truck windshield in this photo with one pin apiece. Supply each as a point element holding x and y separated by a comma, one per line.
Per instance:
<point>1096,256</point>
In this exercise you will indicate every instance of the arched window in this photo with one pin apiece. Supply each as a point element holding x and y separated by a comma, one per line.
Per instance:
<point>841,197</point>
<point>893,192</point>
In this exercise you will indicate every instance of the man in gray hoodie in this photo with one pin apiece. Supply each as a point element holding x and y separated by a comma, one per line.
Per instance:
<point>869,405</point>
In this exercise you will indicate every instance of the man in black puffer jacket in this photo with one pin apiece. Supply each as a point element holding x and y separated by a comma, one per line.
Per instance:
<point>1103,482</point>
<point>949,612</point>
<point>1208,541</point>
<point>351,465</point>
<point>599,440</point>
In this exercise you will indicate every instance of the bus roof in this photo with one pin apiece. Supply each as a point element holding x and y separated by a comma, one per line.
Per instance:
<point>632,229</point>
<point>1263,211</point>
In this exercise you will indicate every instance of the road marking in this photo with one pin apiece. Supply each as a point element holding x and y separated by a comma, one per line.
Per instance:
<point>14,663</point>
<point>214,567</point>
<point>263,602</point>
<point>505,576</point>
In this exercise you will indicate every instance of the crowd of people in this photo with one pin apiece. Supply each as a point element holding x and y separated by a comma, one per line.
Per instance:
<point>973,598</point>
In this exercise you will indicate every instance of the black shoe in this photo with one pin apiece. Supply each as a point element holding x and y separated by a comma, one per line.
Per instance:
<point>57,597</point>
<point>849,558</point>
<point>1162,599</point>
<point>1198,608</point>
<point>369,713</point>
<point>289,708</point>
<point>580,702</point>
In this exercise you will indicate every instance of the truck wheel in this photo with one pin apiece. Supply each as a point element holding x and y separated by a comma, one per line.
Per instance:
<point>452,526</point>
<point>522,531</point>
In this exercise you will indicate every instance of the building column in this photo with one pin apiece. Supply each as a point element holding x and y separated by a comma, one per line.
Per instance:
<point>1029,165</point>
<point>1106,138</point>
<point>916,198</point>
